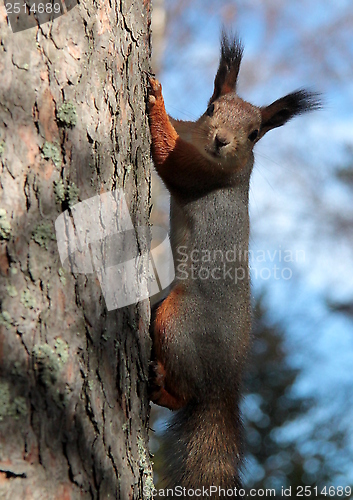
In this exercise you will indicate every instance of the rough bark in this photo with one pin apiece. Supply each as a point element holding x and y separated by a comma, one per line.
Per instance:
<point>73,393</point>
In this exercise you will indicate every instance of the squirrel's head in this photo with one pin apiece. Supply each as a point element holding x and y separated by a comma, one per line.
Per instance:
<point>227,131</point>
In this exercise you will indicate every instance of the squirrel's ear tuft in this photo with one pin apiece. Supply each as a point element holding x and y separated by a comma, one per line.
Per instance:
<point>229,64</point>
<point>282,110</point>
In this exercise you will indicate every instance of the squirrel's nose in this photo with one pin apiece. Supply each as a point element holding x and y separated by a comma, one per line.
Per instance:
<point>220,141</point>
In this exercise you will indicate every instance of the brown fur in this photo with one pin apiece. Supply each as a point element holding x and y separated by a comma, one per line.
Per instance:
<point>201,332</point>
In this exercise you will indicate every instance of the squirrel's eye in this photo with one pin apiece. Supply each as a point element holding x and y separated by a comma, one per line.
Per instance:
<point>210,110</point>
<point>253,135</point>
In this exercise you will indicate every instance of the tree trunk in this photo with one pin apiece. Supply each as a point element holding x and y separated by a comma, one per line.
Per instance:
<point>73,381</point>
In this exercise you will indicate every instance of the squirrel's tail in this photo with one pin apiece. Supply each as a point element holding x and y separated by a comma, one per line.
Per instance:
<point>204,441</point>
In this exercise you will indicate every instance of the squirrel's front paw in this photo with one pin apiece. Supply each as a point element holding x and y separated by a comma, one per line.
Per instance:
<point>155,91</point>
<point>156,379</point>
<point>157,391</point>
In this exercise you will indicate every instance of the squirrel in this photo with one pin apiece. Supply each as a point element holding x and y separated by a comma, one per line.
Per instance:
<point>202,330</point>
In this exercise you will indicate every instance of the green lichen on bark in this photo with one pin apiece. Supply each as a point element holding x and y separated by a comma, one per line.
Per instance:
<point>46,364</point>
<point>51,152</point>
<point>43,234</point>
<point>68,193</point>
<point>59,191</point>
<point>49,361</point>
<point>145,468</point>
<point>27,299</point>
<point>72,194</point>
<point>61,274</point>
<point>62,351</point>
<point>5,226</point>
<point>11,290</point>
<point>6,319</point>
<point>67,115</point>
<point>11,407</point>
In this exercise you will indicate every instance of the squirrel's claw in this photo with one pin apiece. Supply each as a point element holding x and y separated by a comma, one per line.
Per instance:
<point>156,87</point>
<point>155,90</point>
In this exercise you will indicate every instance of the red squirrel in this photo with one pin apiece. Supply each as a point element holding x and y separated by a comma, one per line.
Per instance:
<point>201,330</point>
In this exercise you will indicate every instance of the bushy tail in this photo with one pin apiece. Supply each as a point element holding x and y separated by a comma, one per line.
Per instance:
<point>203,443</point>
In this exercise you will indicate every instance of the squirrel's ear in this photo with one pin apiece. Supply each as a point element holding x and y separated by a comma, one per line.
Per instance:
<point>282,110</point>
<point>229,64</point>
